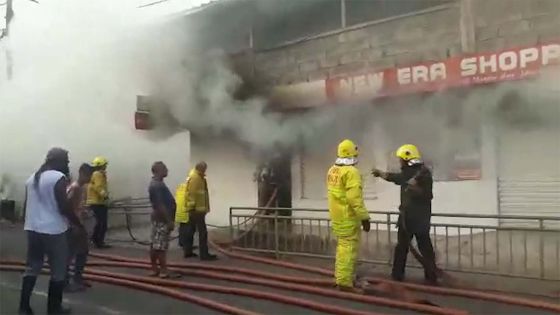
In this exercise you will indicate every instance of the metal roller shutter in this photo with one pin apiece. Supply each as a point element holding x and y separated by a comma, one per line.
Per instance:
<point>529,166</point>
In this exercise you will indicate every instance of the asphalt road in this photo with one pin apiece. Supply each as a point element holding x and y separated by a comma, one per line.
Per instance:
<point>109,299</point>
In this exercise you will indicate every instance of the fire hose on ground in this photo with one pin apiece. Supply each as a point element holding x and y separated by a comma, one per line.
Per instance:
<point>467,293</point>
<point>498,298</point>
<point>188,269</point>
<point>133,263</point>
<point>115,280</point>
<point>148,284</point>
<point>473,294</point>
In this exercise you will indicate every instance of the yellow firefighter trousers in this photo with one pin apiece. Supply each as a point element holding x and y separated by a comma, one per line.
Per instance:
<point>346,255</point>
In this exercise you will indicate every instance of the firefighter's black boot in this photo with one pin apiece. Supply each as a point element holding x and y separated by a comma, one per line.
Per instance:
<point>27,286</point>
<point>54,303</point>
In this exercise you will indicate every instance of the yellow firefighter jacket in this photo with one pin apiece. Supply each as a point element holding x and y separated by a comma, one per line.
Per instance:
<point>97,193</point>
<point>346,203</point>
<point>196,197</point>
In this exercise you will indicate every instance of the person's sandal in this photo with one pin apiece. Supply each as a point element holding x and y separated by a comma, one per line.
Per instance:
<point>154,274</point>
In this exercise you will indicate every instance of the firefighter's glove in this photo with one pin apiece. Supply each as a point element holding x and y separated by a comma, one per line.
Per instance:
<point>366,225</point>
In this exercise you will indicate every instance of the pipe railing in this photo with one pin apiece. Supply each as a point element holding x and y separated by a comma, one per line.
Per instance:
<point>463,242</point>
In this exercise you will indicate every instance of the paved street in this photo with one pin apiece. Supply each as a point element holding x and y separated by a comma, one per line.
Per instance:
<point>108,299</point>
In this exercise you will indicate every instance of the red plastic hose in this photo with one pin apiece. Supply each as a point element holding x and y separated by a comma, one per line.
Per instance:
<point>224,308</point>
<point>234,270</point>
<point>326,308</point>
<point>478,295</point>
<point>314,290</point>
<point>416,287</point>
<point>284,264</point>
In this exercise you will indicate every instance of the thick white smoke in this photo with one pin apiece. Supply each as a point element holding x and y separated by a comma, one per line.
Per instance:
<point>77,68</point>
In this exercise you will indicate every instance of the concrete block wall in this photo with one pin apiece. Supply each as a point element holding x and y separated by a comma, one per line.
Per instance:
<point>502,24</point>
<point>433,34</point>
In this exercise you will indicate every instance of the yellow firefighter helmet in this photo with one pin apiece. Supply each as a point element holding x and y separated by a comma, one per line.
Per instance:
<point>347,149</point>
<point>408,152</point>
<point>99,161</point>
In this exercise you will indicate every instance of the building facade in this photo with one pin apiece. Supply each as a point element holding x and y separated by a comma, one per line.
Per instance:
<point>471,82</point>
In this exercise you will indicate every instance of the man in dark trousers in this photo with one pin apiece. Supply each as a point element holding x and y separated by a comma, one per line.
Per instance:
<point>97,200</point>
<point>197,206</point>
<point>416,183</point>
<point>48,215</point>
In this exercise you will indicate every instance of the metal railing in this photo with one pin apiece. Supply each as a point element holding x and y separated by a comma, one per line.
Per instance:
<point>463,242</point>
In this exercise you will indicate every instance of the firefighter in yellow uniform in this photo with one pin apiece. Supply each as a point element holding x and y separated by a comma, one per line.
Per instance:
<point>192,215</point>
<point>97,200</point>
<point>181,214</point>
<point>347,212</point>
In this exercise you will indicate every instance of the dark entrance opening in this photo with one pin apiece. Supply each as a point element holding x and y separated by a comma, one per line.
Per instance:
<point>274,177</point>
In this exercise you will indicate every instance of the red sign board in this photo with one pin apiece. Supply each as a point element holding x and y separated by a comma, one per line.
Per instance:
<point>507,65</point>
<point>142,120</point>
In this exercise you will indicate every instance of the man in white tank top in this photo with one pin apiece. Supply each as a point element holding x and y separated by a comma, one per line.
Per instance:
<point>47,218</point>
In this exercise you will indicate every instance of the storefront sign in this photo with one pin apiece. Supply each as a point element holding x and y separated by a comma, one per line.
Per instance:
<point>511,64</point>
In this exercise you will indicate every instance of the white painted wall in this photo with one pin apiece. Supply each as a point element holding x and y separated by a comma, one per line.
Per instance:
<point>229,175</point>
